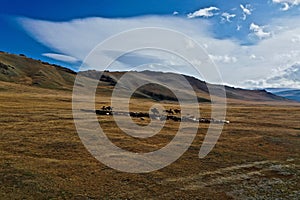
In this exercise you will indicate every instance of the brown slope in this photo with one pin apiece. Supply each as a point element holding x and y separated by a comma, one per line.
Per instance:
<point>200,87</point>
<point>27,71</point>
<point>22,70</point>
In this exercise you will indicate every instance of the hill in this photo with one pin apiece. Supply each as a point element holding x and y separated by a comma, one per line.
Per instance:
<point>27,71</point>
<point>200,87</point>
<point>22,70</point>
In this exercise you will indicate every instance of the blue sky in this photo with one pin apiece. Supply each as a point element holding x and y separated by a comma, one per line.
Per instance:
<point>250,41</point>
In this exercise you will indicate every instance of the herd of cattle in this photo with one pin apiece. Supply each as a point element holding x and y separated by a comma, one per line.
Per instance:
<point>155,114</point>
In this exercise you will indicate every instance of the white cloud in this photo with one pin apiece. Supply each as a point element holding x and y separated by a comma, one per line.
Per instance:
<point>296,39</point>
<point>253,56</point>
<point>78,37</point>
<point>223,59</point>
<point>259,31</point>
<point>205,12</point>
<point>236,63</point>
<point>287,4</point>
<point>286,78</point>
<point>293,2</point>
<point>227,16</point>
<point>285,7</point>
<point>175,13</point>
<point>61,57</point>
<point>246,10</point>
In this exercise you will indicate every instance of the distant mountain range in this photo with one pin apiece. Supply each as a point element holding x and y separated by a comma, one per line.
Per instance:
<point>289,93</point>
<point>22,70</point>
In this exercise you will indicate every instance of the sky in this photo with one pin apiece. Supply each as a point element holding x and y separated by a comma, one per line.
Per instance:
<point>254,43</point>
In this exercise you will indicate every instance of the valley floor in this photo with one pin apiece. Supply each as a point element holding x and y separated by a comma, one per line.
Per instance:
<point>42,157</point>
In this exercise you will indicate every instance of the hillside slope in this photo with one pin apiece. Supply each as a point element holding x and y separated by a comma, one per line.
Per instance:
<point>26,71</point>
<point>200,87</point>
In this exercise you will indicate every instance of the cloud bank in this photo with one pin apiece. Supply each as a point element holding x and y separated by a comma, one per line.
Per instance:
<point>238,64</point>
<point>287,78</point>
<point>61,57</point>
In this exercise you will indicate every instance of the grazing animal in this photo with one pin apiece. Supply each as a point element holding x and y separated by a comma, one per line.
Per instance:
<point>139,114</point>
<point>133,114</point>
<point>170,111</point>
<point>190,119</point>
<point>177,111</point>
<point>155,111</point>
<point>204,120</point>
<point>174,118</point>
<point>103,112</point>
<point>107,108</point>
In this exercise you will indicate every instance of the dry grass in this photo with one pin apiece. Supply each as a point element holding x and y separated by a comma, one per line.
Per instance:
<point>42,157</point>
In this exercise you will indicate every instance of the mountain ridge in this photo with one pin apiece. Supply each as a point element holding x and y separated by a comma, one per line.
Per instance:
<point>199,86</point>
<point>23,70</point>
<point>289,93</point>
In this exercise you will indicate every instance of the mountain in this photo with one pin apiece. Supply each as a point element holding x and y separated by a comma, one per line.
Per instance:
<point>22,70</point>
<point>289,93</point>
<point>200,87</point>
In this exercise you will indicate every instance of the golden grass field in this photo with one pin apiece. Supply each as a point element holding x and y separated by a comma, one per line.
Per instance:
<point>42,157</point>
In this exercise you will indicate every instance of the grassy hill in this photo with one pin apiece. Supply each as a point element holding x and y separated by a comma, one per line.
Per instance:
<point>200,87</point>
<point>22,70</point>
<point>27,71</point>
